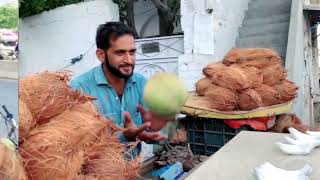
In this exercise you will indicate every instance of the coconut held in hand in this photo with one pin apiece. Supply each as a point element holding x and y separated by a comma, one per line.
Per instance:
<point>165,94</point>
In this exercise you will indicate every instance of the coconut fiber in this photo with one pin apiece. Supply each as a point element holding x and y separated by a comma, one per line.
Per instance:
<point>103,160</point>
<point>274,74</point>
<point>258,57</point>
<point>210,69</point>
<point>74,142</point>
<point>26,121</point>
<point>287,90</point>
<point>285,121</point>
<point>269,95</point>
<point>202,85</point>
<point>47,94</point>
<point>221,98</point>
<point>253,74</point>
<point>55,149</point>
<point>232,78</point>
<point>249,100</point>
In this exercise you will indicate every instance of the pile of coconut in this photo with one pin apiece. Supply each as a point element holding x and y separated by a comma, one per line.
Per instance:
<point>246,79</point>
<point>63,136</point>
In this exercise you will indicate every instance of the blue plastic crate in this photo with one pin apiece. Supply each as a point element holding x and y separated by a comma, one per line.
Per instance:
<point>206,135</point>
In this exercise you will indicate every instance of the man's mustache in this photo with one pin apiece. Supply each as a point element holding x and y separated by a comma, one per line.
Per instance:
<point>126,65</point>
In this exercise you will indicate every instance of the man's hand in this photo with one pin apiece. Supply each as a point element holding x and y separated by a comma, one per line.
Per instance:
<point>158,122</point>
<point>132,131</point>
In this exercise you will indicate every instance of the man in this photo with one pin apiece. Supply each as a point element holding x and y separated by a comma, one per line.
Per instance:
<point>119,91</point>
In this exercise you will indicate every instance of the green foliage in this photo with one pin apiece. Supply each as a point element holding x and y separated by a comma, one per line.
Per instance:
<point>174,14</point>
<point>123,4</point>
<point>9,17</point>
<point>32,7</point>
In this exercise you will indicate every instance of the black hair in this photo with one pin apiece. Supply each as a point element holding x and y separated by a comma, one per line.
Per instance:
<point>110,30</point>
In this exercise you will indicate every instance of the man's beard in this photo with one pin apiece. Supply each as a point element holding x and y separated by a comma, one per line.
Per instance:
<point>116,72</point>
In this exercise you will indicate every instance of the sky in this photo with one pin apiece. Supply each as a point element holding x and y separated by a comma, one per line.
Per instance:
<point>4,2</point>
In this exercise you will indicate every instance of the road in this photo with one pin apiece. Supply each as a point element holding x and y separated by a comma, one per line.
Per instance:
<point>8,97</point>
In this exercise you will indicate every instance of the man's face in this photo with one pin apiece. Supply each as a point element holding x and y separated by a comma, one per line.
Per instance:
<point>120,57</point>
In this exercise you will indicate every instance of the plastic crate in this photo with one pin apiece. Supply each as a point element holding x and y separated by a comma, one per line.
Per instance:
<point>206,135</point>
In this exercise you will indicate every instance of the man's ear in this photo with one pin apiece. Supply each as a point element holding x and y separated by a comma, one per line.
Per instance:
<point>101,55</point>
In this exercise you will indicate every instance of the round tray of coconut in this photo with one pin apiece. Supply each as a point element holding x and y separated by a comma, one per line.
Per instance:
<point>202,106</point>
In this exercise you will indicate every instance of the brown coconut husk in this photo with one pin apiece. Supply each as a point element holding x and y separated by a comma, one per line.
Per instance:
<point>26,121</point>
<point>85,177</point>
<point>274,74</point>
<point>233,78</point>
<point>202,85</point>
<point>249,100</point>
<point>285,121</point>
<point>47,94</point>
<point>269,95</point>
<point>104,160</point>
<point>261,62</point>
<point>55,150</point>
<point>10,165</point>
<point>253,74</point>
<point>287,90</point>
<point>211,68</point>
<point>180,136</point>
<point>257,57</point>
<point>221,98</point>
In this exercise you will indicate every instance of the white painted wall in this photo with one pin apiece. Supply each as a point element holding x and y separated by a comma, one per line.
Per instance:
<point>164,61</point>
<point>49,40</point>
<point>297,62</point>
<point>7,2</point>
<point>227,17</point>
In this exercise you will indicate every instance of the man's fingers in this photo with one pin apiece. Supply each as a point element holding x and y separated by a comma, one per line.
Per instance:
<point>141,109</point>
<point>144,114</point>
<point>143,127</point>
<point>147,136</point>
<point>152,136</point>
<point>161,138</point>
<point>127,120</point>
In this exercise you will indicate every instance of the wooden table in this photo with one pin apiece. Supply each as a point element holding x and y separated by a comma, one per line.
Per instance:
<point>247,150</point>
<point>198,106</point>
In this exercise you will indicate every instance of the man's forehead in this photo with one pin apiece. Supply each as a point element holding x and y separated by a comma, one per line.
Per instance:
<point>123,42</point>
<point>126,37</point>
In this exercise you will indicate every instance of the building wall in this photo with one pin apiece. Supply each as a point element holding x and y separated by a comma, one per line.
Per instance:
<point>166,60</point>
<point>298,56</point>
<point>227,17</point>
<point>49,40</point>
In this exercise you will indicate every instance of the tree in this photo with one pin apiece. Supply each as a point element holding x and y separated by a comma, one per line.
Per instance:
<point>9,17</point>
<point>126,12</point>
<point>168,12</point>
<point>168,15</point>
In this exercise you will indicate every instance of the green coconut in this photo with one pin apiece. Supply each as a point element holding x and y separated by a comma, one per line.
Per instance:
<point>165,94</point>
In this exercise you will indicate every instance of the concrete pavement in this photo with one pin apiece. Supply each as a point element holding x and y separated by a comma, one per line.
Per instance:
<point>9,69</point>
